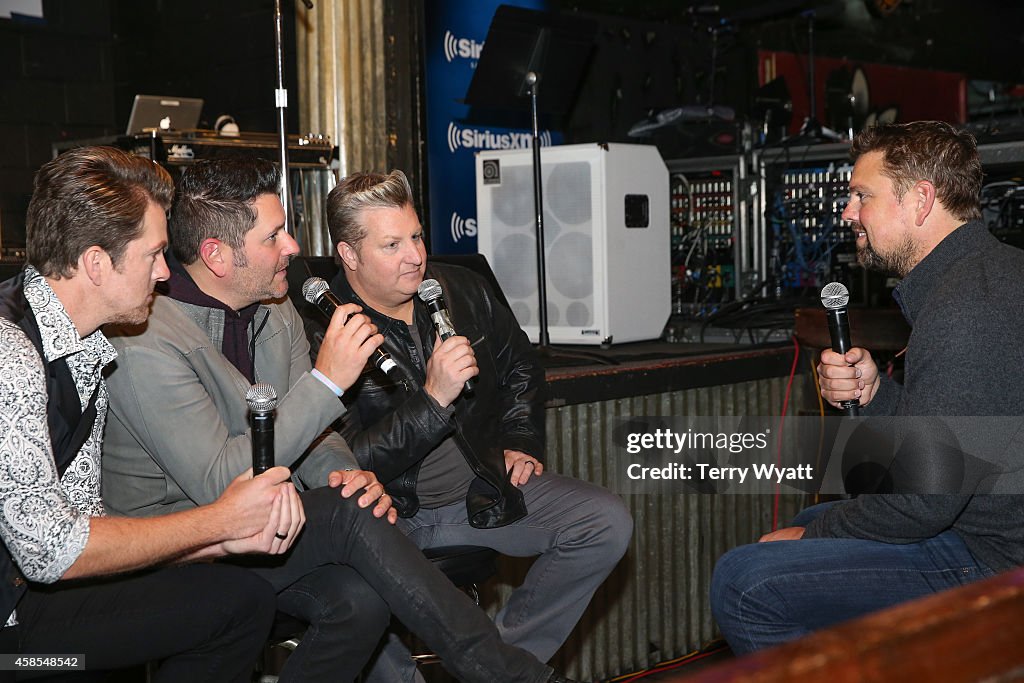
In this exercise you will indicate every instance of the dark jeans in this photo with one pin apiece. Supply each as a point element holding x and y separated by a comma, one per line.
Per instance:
<point>579,530</point>
<point>381,564</point>
<point>346,618</point>
<point>209,622</point>
<point>765,594</point>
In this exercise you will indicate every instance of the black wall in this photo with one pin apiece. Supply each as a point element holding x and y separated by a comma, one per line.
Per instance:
<point>221,51</point>
<point>56,83</point>
<point>73,75</point>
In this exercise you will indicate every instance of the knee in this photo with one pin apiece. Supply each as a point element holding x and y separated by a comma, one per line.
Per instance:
<point>325,505</point>
<point>619,525</point>
<point>331,516</point>
<point>735,574</point>
<point>609,525</point>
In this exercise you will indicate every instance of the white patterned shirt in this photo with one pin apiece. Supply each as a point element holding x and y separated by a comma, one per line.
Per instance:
<point>44,519</point>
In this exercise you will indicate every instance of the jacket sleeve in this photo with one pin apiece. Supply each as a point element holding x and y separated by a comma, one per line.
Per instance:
<point>397,440</point>
<point>164,401</point>
<point>329,451</point>
<point>522,383</point>
<point>886,399</point>
<point>400,439</point>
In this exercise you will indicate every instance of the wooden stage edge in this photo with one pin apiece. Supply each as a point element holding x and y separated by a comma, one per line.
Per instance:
<point>656,367</point>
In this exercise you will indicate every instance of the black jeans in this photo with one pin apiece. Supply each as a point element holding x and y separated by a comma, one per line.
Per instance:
<point>381,566</point>
<point>208,622</point>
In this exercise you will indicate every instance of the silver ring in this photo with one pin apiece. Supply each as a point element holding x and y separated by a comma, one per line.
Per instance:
<point>283,537</point>
<point>532,463</point>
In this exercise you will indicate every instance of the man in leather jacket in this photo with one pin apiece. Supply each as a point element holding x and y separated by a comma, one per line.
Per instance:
<point>463,467</point>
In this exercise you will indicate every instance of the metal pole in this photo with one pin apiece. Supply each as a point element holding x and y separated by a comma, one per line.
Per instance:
<point>281,101</point>
<point>538,204</point>
<point>810,72</point>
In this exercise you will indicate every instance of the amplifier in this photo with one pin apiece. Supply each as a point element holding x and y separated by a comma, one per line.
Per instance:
<point>184,147</point>
<point>606,239</point>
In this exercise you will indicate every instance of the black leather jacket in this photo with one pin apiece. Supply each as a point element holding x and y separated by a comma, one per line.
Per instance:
<point>391,428</point>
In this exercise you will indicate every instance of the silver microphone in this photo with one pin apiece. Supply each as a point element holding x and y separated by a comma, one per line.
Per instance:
<point>834,297</point>
<point>430,293</point>
<point>316,291</point>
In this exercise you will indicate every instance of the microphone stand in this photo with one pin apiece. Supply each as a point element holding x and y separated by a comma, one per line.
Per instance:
<point>543,336</point>
<point>558,47</point>
<point>281,101</point>
<point>811,131</point>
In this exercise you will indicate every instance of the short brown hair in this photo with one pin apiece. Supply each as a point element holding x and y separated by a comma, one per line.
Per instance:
<point>215,199</point>
<point>361,191</point>
<point>928,150</point>
<point>90,196</point>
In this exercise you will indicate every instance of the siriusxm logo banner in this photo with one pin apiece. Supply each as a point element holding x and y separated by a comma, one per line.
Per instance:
<point>456,33</point>
<point>461,48</point>
<point>474,139</point>
<point>462,227</point>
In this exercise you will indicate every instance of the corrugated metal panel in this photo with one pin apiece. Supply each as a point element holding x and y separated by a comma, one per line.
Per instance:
<point>341,79</point>
<point>655,605</point>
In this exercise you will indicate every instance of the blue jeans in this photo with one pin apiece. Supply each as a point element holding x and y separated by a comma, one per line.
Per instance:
<point>765,594</point>
<point>578,529</point>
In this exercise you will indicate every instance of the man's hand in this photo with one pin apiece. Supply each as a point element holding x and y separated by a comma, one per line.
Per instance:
<point>266,511</point>
<point>789,533</point>
<point>450,365</point>
<point>843,378</point>
<point>353,481</point>
<point>347,345</point>
<point>522,466</point>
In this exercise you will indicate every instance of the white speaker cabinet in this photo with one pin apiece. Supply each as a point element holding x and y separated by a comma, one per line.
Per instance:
<point>606,237</point>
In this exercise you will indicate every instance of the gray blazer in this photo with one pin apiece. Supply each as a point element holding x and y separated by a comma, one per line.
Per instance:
<point>178,429</point>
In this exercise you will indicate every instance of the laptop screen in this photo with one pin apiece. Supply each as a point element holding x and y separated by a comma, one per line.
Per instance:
<point>164,113</point>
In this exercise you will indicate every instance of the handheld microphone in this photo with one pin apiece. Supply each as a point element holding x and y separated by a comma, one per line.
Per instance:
<point>834,297</point>
<point>430,293</point>
<point>262,400</point>
<point>317,292</point>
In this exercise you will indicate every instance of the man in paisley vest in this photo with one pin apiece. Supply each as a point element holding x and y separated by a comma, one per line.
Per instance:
<point>96,233</point>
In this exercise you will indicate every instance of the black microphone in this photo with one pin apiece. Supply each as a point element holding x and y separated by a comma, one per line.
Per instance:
<point>262,400</point>
<point>834,297</point>
<point>317,292</point>
<point>430,292</point>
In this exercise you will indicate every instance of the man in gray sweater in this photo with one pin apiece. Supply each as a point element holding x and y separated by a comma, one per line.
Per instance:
<point>914,209</point>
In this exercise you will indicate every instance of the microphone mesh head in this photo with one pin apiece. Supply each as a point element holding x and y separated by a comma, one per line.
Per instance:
<point>429,290</point>
<point>313,289</point>
<point>835,295</point>
<point>261,398</point>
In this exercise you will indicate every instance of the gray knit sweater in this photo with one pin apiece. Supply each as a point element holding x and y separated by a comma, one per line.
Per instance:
<point>965,303</point>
